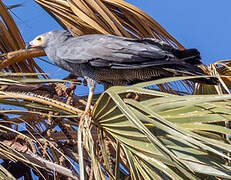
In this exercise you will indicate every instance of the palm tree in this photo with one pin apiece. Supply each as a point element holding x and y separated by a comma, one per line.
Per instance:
<point>177,129</point>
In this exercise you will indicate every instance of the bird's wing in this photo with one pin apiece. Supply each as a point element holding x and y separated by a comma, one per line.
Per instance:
<point>115,52</point>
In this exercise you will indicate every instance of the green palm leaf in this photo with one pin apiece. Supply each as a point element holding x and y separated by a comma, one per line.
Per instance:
<point>165,132</point>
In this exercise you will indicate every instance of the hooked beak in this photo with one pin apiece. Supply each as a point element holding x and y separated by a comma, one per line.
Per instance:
<point>30,45</point>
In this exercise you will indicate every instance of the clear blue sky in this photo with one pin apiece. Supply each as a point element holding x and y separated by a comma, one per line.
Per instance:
<point>202,24</point>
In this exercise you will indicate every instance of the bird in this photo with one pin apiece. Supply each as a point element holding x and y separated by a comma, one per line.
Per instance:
<point>114,60</point>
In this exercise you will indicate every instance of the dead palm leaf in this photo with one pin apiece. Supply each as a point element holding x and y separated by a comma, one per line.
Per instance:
<point>11,40</point>
<point>107,17</point>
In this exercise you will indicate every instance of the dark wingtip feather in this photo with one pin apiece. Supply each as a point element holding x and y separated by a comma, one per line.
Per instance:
<point>186,53</point>
<point>191,56</point>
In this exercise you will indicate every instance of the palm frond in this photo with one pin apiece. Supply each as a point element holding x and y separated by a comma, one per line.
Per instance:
<point>156,137</point>
<point>11,40</point>
<point>221,70</point>
<point>106,17</point>
<point>167,133</point>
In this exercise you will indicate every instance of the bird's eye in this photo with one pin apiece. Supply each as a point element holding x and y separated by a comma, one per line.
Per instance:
<point>39,39</point>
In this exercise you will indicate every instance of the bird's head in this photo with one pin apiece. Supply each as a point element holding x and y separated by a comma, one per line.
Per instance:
<point>39,41</point>
<point>49,38</point>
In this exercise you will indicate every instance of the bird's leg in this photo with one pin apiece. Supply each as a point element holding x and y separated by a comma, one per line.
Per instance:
<point>89,100</point>
<point>88,106</point>
<point>91,84</point>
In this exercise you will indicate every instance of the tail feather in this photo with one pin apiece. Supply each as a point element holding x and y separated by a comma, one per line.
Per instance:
<point>191,56</point>
<point>186,53</point>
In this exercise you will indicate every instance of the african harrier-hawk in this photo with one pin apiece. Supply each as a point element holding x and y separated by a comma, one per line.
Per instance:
<point>113,60</point>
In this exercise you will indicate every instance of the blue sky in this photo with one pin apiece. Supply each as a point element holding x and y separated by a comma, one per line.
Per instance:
<point>201,24</point>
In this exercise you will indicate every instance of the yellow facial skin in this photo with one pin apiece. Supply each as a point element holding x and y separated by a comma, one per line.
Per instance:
<point>37,42</point>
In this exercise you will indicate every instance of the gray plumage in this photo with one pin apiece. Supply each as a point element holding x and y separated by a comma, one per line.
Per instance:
<point>114,60</point>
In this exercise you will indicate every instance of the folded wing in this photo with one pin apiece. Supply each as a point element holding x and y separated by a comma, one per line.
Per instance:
<point>107,51</point>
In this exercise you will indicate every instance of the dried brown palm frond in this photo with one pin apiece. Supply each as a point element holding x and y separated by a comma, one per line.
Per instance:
<point>87,17</point>
<point>221,70</point>
<point>11,40</point>
<point>107,17</point>
<point>49,119</point>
